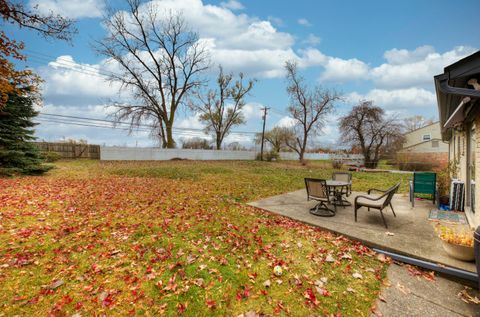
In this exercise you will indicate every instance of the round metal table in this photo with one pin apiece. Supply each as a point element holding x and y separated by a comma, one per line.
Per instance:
<point>337,187</point>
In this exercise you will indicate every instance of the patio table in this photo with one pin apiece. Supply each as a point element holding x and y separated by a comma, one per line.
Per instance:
<point>336,187</point>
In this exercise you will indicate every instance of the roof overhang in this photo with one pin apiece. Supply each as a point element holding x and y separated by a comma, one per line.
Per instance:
<point>458,116</point>
<point>451,89</point>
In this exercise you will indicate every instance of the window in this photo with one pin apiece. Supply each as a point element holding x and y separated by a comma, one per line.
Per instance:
<point>426,137</point>
<point>435,143</point>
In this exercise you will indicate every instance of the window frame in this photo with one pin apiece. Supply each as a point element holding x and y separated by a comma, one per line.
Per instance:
<point>429,137</point>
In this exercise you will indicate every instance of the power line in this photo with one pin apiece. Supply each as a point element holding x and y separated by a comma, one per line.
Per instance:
<point>41,57</point>
<point>51,121</point>
<point>78,70</point>
<point>128,123</point>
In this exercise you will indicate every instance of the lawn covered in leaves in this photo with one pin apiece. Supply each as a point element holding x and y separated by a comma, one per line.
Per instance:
<point>98,238</point>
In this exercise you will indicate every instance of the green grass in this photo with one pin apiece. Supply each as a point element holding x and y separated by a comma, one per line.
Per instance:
<point>164,238</point>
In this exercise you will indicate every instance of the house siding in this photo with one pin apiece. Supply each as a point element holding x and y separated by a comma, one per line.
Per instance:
<point>416,150</point>
<point>415,138</point>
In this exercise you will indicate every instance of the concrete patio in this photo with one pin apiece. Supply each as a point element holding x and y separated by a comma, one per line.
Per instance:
<point>413,234</point>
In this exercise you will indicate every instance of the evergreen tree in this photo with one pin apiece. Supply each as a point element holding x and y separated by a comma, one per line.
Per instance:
<point>17,153</point>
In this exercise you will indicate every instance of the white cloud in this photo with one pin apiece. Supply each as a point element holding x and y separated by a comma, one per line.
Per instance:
<point>312,40</point>
<point>286,122</point>
<point>403,56</point>
<point>396,99</point>
<point>76,83</point>
<point>404,68</point>
<point>232,5</point>
<point>230,30</point>
<point>312,57</point>
<point>275,20</point>
<point>266,63</point>
<point>414,68</point>
<point>191,122</point>
<point>73,9</point>
<point>304,22</point>
<point>341,70</point>
<point>252,111</point>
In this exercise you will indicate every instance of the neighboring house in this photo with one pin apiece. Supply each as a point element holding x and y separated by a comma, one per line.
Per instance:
<point>425,145</point>
<point>458,98</point>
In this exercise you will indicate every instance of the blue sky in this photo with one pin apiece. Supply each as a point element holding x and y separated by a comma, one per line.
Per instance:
<point>380,50</point>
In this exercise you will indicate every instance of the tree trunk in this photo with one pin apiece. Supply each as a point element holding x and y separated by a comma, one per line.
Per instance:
<point>218,141</point>
<point>304,146</point>
<point>170,140</point>
<point>368,160</point>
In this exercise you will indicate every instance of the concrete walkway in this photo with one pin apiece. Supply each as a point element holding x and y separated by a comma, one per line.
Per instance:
<point>410,233</point>
<point>411,296</point>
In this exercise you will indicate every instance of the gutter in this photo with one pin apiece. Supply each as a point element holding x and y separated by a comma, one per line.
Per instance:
<point>465,275</point>
<point>447,89</point>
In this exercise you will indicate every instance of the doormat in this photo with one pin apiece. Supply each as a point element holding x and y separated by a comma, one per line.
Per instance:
<point>449,216</point>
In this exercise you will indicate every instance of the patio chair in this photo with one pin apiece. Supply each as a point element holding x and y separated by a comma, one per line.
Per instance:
<point>423,183</point>
<point>317,189</point>
<point>377,202</point>
<point>344,177</point>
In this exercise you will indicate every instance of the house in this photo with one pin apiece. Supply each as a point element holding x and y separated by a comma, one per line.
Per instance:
<point>425,145</point>
<point>458,98</point>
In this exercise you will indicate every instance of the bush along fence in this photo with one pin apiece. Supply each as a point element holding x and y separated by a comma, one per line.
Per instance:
<point>69,150</point>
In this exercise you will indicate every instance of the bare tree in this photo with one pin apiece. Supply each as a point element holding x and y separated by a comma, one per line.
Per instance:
<point>367,127</point>
<point>308,106</point>
<point>416,122</point>
<point>160,60</point>
<point>278,138</point>
<point>48,25</point>
<point>24,82</point>
<point>221,108</point>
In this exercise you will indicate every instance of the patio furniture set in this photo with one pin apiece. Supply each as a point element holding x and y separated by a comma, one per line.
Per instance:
<point>334,192</point>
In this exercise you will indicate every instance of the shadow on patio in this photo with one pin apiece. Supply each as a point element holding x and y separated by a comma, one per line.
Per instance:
<point>414,234</point>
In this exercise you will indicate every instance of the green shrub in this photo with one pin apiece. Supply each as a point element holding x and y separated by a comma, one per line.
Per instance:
<point>272,156</point>
<point>50,157</point>
<point>268,156</point>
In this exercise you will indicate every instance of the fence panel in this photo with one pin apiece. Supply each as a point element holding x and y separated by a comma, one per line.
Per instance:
<point>71,150</point>
<point>113,153</point>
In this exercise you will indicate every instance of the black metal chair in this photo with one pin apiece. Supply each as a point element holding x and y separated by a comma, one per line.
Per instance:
<point>344,177</point>
<point>377,202</point>
<point>317,190</point>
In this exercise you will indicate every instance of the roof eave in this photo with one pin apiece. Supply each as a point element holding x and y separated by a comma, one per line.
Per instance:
<point>443,89</point>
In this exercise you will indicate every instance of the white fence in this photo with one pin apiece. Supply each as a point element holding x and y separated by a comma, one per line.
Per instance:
<point>109,153</point>
<point>157,154</point>
<point>308,156</point>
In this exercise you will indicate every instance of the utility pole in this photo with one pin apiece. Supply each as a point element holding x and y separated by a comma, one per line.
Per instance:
<point>263,131</point>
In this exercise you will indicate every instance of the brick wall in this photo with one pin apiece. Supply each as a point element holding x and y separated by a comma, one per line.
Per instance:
<point>437,159</point>
<point>476,216</point>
